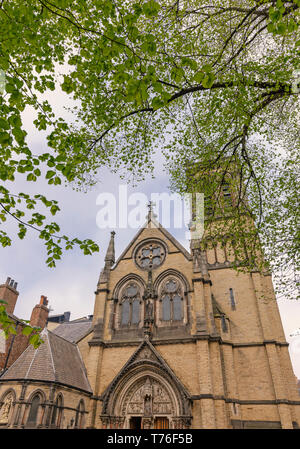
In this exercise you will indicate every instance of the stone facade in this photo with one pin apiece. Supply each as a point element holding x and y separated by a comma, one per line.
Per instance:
<point>178,340</point>
<point>227,353</point>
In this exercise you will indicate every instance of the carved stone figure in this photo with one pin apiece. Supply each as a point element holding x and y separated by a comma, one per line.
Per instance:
<point>149,310</point>
<point>5,409</point>
<point>147,406</point>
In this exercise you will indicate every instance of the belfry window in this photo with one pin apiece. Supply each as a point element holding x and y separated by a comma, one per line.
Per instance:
<point>208,205</point>
<point>130,305</point>
<point>226,195</point>
<point>172,303</point>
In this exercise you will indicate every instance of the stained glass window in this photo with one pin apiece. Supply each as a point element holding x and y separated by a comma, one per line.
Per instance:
<point>166,307</point>
<point>132,290</point>
<point>172,304</point>
<point>171,286</point>
<point>177,308</point>
<point>125,311</point>
<point>130,305</point>
<point>135,311</point>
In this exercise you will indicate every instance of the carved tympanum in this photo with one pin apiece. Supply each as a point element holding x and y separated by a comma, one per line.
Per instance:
<point>146,398</point>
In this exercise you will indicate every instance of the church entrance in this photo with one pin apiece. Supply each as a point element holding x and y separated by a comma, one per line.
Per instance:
<point>135,422</point>
<point>146,400</point>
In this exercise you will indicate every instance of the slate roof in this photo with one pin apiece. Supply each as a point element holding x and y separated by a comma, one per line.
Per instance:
<point>55,360</point>
<point>73,331</point>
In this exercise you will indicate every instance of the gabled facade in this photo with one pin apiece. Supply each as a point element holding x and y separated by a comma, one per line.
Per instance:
<point>213,338</point>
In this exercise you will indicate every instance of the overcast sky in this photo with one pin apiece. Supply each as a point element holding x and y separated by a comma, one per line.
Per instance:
<point>71,285</point>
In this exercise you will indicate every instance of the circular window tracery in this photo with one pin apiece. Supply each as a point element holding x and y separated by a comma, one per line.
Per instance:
<point>150,255</point>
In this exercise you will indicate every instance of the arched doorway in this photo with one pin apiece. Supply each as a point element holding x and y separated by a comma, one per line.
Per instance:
<point>148,403</point>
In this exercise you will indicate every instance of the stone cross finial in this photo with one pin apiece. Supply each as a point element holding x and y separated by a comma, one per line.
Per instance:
<point>151,213</point>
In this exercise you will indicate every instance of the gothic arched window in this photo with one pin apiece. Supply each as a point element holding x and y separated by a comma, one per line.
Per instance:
<point>130,305</point>
<point>79,419</point>
<point>172,301</point>
<point>33,412</point>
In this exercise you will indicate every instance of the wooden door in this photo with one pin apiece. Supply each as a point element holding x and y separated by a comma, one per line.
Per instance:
<point>161,423</point>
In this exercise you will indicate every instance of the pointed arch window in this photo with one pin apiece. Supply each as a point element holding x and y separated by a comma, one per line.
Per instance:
<point>130,305</point>
<point>172,301</point>
<point>79,418</point>
<point>57,412</point>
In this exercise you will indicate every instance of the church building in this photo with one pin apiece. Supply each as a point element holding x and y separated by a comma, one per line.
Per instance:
<point>178,340</point>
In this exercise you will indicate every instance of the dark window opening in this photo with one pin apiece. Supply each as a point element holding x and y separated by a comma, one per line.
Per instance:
<point>232,300</point>
<point>208,206</point>
<point>224,324</point>
<point>135,422</point>
<point>226,195</point>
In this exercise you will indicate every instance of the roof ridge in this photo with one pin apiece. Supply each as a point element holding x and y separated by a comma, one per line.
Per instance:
<point>84,367</point>
<point>30,365</point>
<point>4,372</point>
<point>79,320</point>
<point>51,355</point>
<point>59,336</point>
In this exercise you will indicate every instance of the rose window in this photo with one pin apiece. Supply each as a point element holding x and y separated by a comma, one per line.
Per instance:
<point>150,256</point>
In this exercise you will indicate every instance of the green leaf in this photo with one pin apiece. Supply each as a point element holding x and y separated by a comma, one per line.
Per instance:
<point>50,174</point>
<point>4,124</point>
<point>208,80</point>
<point>27,330</point>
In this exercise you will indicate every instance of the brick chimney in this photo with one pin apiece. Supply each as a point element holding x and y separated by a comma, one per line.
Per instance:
<point>9,293</point>
<point>39,315</point>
